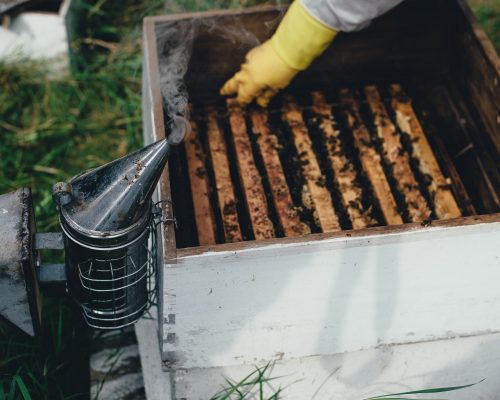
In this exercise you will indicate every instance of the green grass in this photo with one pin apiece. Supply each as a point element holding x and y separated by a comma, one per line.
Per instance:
<point>258,384</point>
<point>53,130</point>
<point>49,131</point>
<point>488,14</point>
<point>404,395</point>
<point>45,367</point>
<point>254,384</point>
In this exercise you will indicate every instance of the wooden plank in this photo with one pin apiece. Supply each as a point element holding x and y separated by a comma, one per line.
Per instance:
<point>224,186</point>
<point>445,205</point>
<point>400,365</point>
<point>250,178</point>
<point>157,383</point>
<point>391,370</point>
<point>476,67</point>
<point>268,144</point>
<point>203,213</point>
<point>373,233</point>
<point>464,157</point>
<point>154,130</point>
<point>349,282</point>
<point>458,189</point>
<point>370,159</point>
<point>315,194</point>
<point>343,169</point>
<point>399,160</point>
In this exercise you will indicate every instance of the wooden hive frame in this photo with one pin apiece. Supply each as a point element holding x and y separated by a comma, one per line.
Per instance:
<point>208,289</point>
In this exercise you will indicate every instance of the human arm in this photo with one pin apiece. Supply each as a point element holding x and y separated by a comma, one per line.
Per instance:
<point>307,29</point>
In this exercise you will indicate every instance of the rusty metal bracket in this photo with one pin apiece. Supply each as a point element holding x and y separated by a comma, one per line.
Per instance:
<point>49,241</point>
<point>158,214</point>
<point>51,273</point>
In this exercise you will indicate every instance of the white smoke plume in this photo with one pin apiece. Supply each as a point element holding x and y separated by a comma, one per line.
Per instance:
<point>175,44</point>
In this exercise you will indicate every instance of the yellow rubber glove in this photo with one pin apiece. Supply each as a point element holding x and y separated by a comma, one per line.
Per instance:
<point>270,67</point>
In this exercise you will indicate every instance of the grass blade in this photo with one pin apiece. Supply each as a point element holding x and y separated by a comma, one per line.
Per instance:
<point>250,386</point>
<point>22,387</point>
<point>424,391</point>
<point>12,390</point>
<point>401,398</point>
<point>59,337</point>
<point>13,358</point>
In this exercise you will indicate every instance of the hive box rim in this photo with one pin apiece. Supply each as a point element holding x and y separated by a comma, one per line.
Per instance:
<point>171,252</point>
<point>151,20</point>
<point>377,231</point>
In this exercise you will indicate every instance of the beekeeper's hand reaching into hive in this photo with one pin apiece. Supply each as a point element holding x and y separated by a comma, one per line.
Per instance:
<point>307,29</point>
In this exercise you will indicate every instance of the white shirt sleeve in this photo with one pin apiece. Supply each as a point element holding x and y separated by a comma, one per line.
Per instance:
<point>347,15</point>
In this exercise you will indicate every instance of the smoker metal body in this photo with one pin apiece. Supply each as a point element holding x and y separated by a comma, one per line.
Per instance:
<point>335,294</point>
<point>113,284</point>
<point>109,226</point>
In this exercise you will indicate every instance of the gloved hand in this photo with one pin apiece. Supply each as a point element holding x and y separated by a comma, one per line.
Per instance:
<point>270,67</point>
<point>262,75</point>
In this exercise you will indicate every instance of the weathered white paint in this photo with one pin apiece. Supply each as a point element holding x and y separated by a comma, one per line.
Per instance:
<point>354,375</point>
<point>285,301</point>
<point>14,299</point>
<point>38,36</point>
<point>358,375</point>
<point>156,381</point>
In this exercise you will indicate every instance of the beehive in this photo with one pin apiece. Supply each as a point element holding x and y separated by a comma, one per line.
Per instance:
<point>378,164</point>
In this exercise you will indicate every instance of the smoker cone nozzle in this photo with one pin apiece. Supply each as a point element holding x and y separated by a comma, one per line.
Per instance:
<point>114,196</point>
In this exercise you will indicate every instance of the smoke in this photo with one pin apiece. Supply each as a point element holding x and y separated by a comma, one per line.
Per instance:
<point>175,44</point>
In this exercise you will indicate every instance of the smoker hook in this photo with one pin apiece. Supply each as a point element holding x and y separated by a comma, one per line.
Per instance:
<point>168,221</point>
<point>156,206</point>
<point>158,213</point>
<point>163,201</point>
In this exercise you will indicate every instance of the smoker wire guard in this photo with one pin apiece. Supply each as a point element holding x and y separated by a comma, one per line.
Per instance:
<point>130,313</point>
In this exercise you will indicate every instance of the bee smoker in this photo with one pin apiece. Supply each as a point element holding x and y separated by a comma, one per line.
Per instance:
<point>108,223</point>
